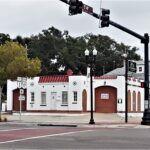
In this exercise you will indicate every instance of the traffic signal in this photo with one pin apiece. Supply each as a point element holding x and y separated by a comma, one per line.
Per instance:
<point>142,84</point>
<point>75,7</point>
<point>105,17</point>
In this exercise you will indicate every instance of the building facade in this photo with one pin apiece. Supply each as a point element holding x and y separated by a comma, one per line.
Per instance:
<point>71,93</point>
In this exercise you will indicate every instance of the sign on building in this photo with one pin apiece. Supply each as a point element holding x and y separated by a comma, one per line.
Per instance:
<point>132,66</point>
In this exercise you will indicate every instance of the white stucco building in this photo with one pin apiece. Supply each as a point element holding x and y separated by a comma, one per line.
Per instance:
<point>71,93</point>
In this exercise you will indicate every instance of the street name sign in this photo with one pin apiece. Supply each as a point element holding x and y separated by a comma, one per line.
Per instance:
<point>87,9</point>
<point>132,66</point>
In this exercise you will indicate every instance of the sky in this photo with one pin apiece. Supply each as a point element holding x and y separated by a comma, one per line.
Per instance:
<point>30,17</point>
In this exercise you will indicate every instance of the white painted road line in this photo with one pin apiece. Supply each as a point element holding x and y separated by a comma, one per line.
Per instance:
<point>16,129</point>
<point>51,135</point>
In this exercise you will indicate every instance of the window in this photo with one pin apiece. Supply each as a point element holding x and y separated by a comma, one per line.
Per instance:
<point>104,96</point>
<point>64,97</point>
<point>32,97</point>
<point>140,69</point>
<point>75,96</point>
<point>43,98</point>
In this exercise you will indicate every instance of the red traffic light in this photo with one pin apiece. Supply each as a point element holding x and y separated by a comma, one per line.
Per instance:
<point>142,84</point>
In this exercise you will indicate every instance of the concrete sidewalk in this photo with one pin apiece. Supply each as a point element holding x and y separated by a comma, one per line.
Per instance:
<point>70,118</point>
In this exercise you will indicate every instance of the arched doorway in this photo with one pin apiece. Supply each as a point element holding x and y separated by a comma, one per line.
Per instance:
<point>16,102</point>
<point>84,101</point>
<point>106,99</point>
<point>139,102</point>
<point>129,101</point>
<point>134,101</point>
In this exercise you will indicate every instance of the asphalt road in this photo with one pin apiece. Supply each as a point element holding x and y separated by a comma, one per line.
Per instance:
<point>29,136</point>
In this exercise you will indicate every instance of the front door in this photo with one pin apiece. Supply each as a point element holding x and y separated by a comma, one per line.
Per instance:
<point>106,99</point>
<point>16,102</point>
<point>84,101</point>
<point>53,100</point>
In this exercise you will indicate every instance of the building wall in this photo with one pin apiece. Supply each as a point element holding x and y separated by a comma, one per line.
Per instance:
<point>78,84</point>
<point>75,84</point>
<point>10,87</point>
<point>135,91</point>
<point>34,86</point>
<point>117,83</point>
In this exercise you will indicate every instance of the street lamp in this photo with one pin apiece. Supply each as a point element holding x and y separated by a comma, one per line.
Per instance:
<point>90,60</point>
<point>126,87</point>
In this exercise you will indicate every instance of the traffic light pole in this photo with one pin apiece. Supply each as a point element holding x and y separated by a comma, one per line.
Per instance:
<point>126,90</point>
<point>145,40</point>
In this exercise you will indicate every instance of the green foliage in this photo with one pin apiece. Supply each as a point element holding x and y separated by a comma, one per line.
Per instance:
<point>57,53</point>
<point>3,119</point>
<point>109,53</point>
<point>73,54</point>
<point>14,62</point>
<point>47,47</point>
<point>33,67</point>
<point>4,38</point>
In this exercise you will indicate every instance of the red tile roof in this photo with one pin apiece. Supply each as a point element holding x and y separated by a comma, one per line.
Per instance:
<point>54,78</point>
<point>106,77</point>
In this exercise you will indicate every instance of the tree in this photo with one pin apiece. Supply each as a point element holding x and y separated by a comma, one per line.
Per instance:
<point>47,46</point>
<point>56,52</point>
<point>109,53</point>
<point>23,41</point>
<point>4,38</point>
<point>73,55</point>
<point>14,63</point>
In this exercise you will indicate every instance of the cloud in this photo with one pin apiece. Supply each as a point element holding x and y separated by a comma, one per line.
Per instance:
<point>27,17</point>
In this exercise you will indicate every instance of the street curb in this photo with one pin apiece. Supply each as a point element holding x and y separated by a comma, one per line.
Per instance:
<point>83,125</point>
<point>58,125</point>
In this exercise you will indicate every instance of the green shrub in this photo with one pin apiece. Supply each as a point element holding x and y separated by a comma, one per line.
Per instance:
<point>5,119</point>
